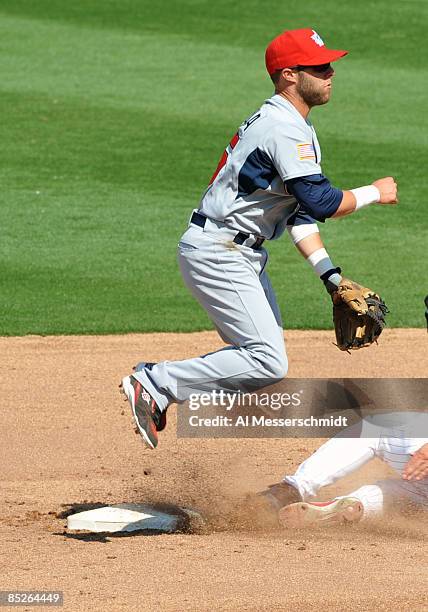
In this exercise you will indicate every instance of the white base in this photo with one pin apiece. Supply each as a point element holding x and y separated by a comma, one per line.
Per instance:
<point>129,517</point>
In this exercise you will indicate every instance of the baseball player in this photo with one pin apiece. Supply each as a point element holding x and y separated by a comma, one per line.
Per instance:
<point>340,456</point>
<point>269,179</point>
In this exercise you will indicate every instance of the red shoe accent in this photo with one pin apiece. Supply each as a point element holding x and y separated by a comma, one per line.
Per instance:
<point>138,389</point>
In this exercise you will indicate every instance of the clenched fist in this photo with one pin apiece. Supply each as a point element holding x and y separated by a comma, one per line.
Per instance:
<point>387,189</point>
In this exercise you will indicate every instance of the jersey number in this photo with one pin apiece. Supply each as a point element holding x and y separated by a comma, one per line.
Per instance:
<point>232,144</point>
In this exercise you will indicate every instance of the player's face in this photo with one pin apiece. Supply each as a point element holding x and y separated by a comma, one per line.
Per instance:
<point>314,84</point>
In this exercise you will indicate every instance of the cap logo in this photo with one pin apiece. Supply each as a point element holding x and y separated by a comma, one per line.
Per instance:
<point>317,38</point>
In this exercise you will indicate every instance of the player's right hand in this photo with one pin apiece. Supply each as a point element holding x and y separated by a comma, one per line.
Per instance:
<point>387,189</point>
<point>417,467</point>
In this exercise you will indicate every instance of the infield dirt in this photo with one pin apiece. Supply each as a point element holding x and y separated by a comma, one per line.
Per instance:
<point>67,443</point>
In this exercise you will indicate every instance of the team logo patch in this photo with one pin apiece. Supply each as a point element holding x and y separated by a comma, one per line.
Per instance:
<point>306,151</point>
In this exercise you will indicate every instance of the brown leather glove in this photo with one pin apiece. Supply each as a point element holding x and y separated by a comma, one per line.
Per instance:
<point>358,315</point>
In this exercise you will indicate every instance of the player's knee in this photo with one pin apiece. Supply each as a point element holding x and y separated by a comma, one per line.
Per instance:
<point>278,367</point>
<point>273,363</point>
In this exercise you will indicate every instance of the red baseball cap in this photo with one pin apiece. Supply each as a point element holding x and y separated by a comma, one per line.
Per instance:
<point>299,48</point>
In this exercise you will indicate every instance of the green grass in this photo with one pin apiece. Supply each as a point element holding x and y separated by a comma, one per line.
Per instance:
<point>115,113</point>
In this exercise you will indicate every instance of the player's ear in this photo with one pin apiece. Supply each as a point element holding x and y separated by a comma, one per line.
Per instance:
<point>283,77</point>
<point>289,75</point>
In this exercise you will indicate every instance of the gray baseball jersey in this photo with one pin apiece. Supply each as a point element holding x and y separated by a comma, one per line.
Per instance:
<point>246,194</point>
<point>247,190</point>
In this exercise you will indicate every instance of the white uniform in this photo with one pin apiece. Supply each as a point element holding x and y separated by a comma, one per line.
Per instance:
<point>342,455</point>
<point>229,279</point>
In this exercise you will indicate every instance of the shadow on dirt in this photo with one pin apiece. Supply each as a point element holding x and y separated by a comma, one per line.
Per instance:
<point>105,538</point>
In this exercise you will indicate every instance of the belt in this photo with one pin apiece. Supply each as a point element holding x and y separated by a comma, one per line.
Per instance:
<point>240,238</point>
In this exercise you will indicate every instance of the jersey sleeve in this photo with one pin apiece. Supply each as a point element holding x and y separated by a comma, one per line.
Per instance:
<point>316,195</point>
<point>293,151</point>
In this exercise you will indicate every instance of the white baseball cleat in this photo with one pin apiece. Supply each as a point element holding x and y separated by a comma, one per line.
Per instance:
<point>338,511</point>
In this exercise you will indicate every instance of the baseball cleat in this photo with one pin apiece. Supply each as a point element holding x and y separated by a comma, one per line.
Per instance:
<point>159,417</point>
<point>338,511</point>
<point>144,408</point>
<point>280,494</point>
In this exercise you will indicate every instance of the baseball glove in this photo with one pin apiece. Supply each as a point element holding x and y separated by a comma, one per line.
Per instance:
<point>358,315</point>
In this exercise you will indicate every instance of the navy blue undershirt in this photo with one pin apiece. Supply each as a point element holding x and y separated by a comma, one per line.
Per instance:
<point>317,197</point>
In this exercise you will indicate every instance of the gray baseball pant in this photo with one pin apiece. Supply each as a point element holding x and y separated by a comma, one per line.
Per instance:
<point>231,284</point>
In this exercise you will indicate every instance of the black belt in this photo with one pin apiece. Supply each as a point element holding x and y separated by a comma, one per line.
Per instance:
<point>240,238</point>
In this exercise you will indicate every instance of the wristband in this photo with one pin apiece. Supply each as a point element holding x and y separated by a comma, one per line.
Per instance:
<point>323,266</point>
<point>366,195</point>
<point>331,279</point>
<point>320,261</point>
